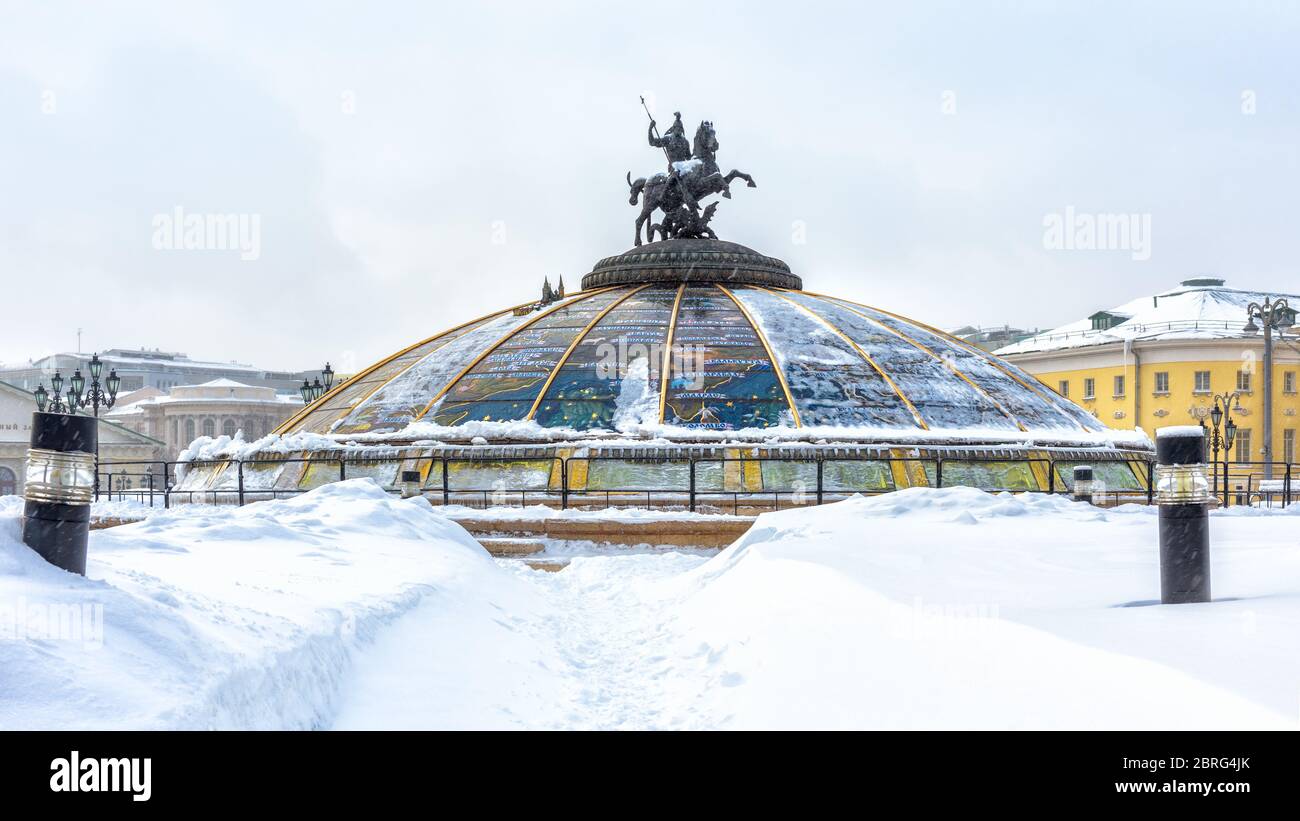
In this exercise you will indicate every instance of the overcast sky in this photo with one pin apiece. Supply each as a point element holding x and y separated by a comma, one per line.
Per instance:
<point>412,166</point>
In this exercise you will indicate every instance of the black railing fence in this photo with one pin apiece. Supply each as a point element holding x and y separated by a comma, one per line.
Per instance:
<point>713,484</point>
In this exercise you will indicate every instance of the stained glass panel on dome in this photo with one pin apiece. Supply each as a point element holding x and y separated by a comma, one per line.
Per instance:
<point>1033,408</point>
<point>503,385</point>
<point>721,377</point>
<point>340,403</point>
<point>832,384</point>
<point>398,401</point>
<point>943,399</point>
<point>617,361</point>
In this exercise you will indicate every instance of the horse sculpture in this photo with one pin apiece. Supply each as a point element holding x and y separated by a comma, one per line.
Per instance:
<point>683,187</point>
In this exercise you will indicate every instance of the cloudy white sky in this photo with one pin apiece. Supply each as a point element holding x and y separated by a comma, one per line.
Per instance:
<point>916,147</point>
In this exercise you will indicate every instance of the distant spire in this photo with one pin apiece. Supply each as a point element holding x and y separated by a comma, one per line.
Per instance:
<point>559,294</point>
<point>548,296</point>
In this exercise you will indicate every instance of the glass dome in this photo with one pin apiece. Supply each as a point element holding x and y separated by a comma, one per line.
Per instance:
<point>687,336</point>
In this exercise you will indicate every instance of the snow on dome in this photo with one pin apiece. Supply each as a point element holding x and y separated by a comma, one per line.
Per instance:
<point>677,362</point>
<point>714,351</point>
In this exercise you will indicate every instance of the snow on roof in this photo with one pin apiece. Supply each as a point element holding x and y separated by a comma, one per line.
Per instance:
<point>224,383</point>
<point>1178,431</point>
<point>1190,311</point>
<point>116,359</point>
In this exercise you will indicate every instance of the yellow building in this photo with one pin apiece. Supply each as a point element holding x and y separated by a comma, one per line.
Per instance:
<point>1160,360</point>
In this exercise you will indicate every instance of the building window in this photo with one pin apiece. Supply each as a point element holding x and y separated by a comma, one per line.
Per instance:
<point>228,427</point>
<point>1063,388</point>
<point>1105,320</point>
<point>1242,445</point>
<point>1202,382</point>
<point>1288,445</point>
<point>176,430</point>
<point>189,431</point>
<point>1089,388</point>
<point>1119,386</point>
<point>209,428</point>
<point>1162,381</point>
<point>9,482</point>
<point>1288,382</point>
<point>1243,381</point>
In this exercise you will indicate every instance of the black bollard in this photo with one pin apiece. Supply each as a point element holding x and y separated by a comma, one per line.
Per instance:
<point>1183,493</point>
<point>410,483</point>
<point>58,489</point>
<point>1082,483</point>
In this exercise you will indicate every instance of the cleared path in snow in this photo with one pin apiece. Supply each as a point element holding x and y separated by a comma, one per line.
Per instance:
<point>920,609</point>
<point>586,651</point>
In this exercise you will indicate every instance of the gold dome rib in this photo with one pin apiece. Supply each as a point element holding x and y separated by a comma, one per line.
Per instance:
<point>950,366</point>
<point>668,352</point>
<point>312,406</point>
<point>568,303</point>
<point>574,344</point>
<point>883,375</point>
<point>776,366</point>
<point>978,351</point>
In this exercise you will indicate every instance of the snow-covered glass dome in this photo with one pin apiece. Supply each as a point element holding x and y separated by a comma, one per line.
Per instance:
<point>683,338</point>
<point>686,373</point>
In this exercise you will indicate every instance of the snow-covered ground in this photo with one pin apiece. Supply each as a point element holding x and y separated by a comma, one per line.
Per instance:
<point>223,617</point>
<point>347,608</point>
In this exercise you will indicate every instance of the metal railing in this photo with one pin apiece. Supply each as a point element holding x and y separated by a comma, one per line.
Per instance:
<point>737,485</point>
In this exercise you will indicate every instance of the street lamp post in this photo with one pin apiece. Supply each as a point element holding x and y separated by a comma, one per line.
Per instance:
<point>79,397</point>
<point>1273,314</point>
<point>97,397</point>
<point>1222,407</point>
<point>311,391</point>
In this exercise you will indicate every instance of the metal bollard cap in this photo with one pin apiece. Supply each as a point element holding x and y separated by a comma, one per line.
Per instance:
<point>1180,445</point>
<point>64,432</point>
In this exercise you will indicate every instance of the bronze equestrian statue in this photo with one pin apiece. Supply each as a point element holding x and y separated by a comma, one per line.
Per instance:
<point>689,178</point>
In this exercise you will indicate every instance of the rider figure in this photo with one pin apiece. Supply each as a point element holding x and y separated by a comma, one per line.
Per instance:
<point>678,149</point>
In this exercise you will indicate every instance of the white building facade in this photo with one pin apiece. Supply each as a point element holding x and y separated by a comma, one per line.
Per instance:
<point>221,407</point>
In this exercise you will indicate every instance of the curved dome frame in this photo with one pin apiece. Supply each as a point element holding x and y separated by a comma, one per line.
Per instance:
<point>766,356</point>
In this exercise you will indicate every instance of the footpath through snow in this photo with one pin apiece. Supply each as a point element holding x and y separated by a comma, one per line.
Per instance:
<point>347,608</point>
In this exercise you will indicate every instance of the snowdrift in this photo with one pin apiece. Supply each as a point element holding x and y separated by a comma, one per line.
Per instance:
<point>207,617</point>
<point>957,608</point>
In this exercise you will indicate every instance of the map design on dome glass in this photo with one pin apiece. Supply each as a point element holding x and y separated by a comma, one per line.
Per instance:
<point>698,355</point>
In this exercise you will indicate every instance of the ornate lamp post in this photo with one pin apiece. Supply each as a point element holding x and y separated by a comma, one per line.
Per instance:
<point>311,391</point>
<point>79,397</point>
<point>96,397</point>
<point>1223,406</point>
<point>52,401</point>
<point>1273,314</point>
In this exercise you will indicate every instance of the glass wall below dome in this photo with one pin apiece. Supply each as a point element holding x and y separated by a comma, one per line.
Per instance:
<point>720,480</point>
